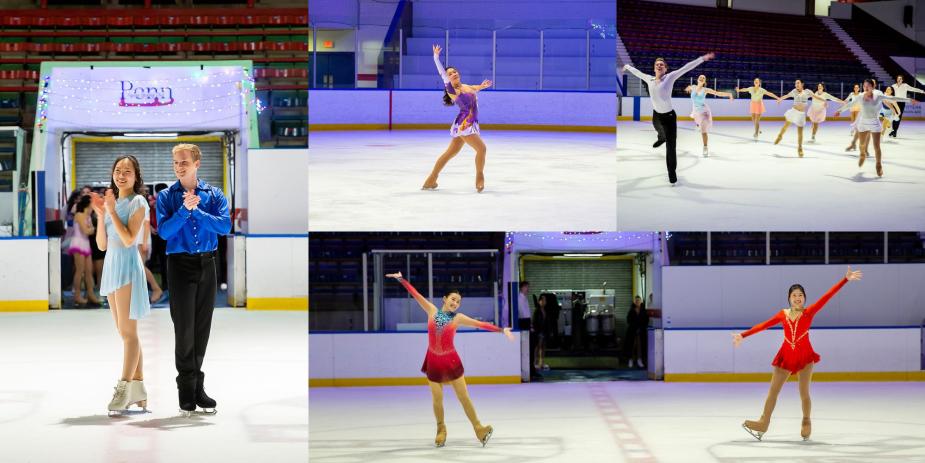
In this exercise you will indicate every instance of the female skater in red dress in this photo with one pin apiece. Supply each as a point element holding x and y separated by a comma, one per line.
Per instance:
<point>441,363</point>
<point>796,355</point>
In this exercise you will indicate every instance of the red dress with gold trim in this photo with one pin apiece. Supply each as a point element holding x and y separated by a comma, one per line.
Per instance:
<point>441,362</point>
<point>796,352</point>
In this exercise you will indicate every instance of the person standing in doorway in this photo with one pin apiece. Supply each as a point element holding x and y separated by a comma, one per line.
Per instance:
<point>523,319</point>
<point>191,215</point>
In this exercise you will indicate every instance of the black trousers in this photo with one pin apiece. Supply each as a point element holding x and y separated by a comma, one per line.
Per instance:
<point>159,256</point>
<point>192,301</point>
<point>902,110</point>
<point>523,324</point>
<point>666,124</point>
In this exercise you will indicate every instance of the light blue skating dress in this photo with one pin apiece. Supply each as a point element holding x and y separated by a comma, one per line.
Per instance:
<point>123,264</point>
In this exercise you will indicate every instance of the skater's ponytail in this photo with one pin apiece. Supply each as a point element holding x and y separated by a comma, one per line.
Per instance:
<point>447,101</point>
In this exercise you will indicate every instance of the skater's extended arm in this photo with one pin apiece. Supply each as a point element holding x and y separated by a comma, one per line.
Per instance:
<point>673,75</point>
<point>421,300</point>
<point>446,79</point>
<point>478,88</point>
<point>818,305</point>
<point>719,94</point>
<point>771,95</point>
<point>910,88</point>
<point>777,318</point>
<point>465,320</point>
<point>636,72</point>
<point>847,103</point>
<point>744,90</point>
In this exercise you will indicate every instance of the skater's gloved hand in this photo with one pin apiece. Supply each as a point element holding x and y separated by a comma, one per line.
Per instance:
<point>507,332</point>
<point>393,275</point>
<point>709,56</point>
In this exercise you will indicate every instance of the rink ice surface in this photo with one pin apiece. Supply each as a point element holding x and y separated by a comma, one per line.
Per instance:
<point>759,186</point>
<point>58,369</point>
<point>644,421</point>
<point>534,180</point>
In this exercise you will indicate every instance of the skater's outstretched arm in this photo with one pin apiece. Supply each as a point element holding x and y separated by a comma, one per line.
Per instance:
<point>818,305</point>
<point>771,95</point>
<point>777,318</point>
<point>421,300</point>
<point>846,104</point>
<point>719,94</point>
<point>744,90</point>
<point>673,75</point>
<point>792,94</point>
<point>478,88</point>
<point>465,320</point>
<point>636,72</point>
<point>446,79</point>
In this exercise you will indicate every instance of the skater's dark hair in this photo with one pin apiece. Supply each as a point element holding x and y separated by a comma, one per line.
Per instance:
<point>447,101</point>
<point>793,288</point>
<point>872,82</point>
<point>822,84</point>
<point>139,185</point>
<point>83,203</point>
<point>522,284</point>
<point>798,80</point>
<point>452,291</point>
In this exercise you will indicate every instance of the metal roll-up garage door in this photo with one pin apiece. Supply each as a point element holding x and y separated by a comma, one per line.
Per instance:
<point>94,160</point>
<point>580,274</point>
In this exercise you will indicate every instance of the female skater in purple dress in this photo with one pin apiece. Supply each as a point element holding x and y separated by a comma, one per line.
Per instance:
<point>465,128</point>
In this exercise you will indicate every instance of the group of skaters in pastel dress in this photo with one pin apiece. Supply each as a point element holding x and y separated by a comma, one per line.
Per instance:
<point>874,114</point>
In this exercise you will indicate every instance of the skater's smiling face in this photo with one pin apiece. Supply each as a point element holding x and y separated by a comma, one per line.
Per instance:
<point>451,301</point>
<point>186,161</point>
<point>453,74</point>
<point>756,82</point>
<point>857,88</point>
<point>820,87</point>
<point>889,91</point>
<point>799,85</point>
<point>126,176</point>
<point>661,67</point>
<point>701,80</point>
<point>797,297</point>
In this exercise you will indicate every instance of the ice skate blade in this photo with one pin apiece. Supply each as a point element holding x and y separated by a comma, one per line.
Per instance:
<point>443,444</point>
<point>755,434</point>
<point>206,411</point>
<point>487,436</point>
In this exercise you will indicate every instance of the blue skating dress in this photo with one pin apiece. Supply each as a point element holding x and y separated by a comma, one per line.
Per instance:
<point>122,264</point>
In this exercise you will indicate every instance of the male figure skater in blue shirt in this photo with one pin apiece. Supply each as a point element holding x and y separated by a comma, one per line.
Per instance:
<point>191,215</point>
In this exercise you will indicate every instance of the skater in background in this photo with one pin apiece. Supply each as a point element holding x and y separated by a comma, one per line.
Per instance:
<point>539,331</point>
<point>79,248</point>
<point>524,321</point>
<point>818,106</point>
<point>797,114</point>
<point>637,335</point>
<point>901,90</point>
<point>889,114</point>
<point>868,123</point>
<point>145,249</point>
<point>700,111</point>
<point>796,355</point>
<point>465,129</point>
<point>123,210</point>
<point>756,105</point>
<point>442,364</point>
<point>853,101</point>
<point>664,118</point>
<point>191,215</point>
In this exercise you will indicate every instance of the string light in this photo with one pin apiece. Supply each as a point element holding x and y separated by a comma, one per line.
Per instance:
<point>43,102</point>
<point>587,238</point>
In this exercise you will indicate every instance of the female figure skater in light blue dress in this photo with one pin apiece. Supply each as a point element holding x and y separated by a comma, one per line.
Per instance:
<point>124,209</point>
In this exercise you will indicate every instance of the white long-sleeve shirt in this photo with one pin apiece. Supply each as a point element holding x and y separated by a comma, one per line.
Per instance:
<point>901,90</point>
<point>870,109</point>
<point>660,90</point>
<point>523,307</point>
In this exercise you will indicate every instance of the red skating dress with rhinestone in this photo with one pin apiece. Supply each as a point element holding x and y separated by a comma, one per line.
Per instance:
<point>441,362</point>
<point>796,352</point>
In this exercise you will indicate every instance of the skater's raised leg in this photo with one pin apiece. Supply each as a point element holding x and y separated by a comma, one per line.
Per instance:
<point>483,433</point>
